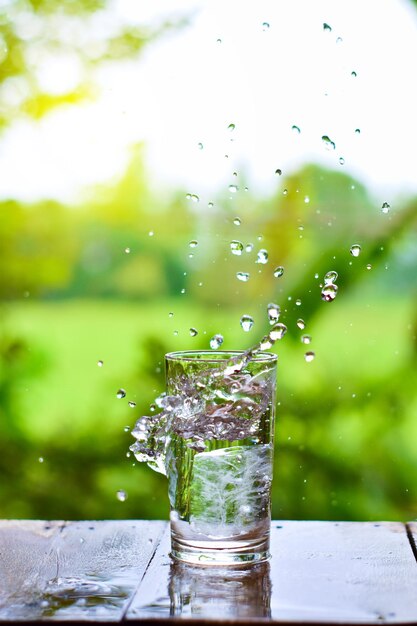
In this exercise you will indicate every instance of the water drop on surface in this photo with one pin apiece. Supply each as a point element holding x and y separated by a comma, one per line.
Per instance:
<point>330,145</point>
<point>193,243</point>
<point>237,221</point>
<point>216,342</point>
<point>121,495</point>
<point>330,277</point>
<point>121,394</point>
<point>100,363</point>
<point>233,188</point>
<point>243,276</point>
<point>301,323</point>
<point>236,247</point>
<point>246,322</point>
<point>355,250</point>
<point>127,250</point>
<point>262,257</point>
<point>296,129</point>
<point>309,356</point>
<point>327,27</point>
<point>329,292</point>
<point>385,207</point>
<point>278,172</point>
<point>278,271</point>
<point>131,404</point>
<point>231,127</point>
<point>306,339</point>
<point>193,332</point>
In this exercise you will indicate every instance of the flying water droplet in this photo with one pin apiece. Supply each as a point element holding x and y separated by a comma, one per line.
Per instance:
<point>246,322</point>
<point>385,207</point>
<point>285,192</point>
<point>249,247</point>
<point>170,314</point>
<point>341,160</point>
<point>100,363</point>
<point>354,74</point>
<point>231,127</point>
<point>330,277</point>
<point>233,188</point>
<point>369,266</point>
<point>298,302</point>
<point>265,26</point>
<point>121,394</point>
<point>218,40</point>
<point>296,129</point>
<point>121,495</point>
<point>216,342</point>
<point>41,459</point>
<point>329,292</point>
<point>127,250</point>
<point>127,430</point>
<point>306,199</point>
<point>195,198</point>
<point>309,356</point>
<point>243,276</point>
<point>278,172</point>
<point>262,257</point>
<point>131,404</point>
<point>151,233</point>
<point>236,247</point>
<point>278,271</point>
<point>237,221</point>
<point>200,146</point>
<point>339,40</point>
<point>301,323</point>
<point>210,205</point>
<point>193,332</point>
<point>277,332</point>
<point>327,27</point>
<point>306,339</point>
<point>355,249</point>
<point>193,243</point>
<point>357,131</point>
<point>330,145</point>
<point>274,311</point>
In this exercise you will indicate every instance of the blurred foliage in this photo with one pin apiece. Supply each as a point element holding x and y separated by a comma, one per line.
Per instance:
<point>66,40</point>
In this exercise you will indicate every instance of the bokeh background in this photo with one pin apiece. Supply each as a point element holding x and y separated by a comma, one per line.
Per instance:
<point>128,132</point>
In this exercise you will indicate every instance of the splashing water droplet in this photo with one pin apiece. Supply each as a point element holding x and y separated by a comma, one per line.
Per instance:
<point>121,394</point>
<point>354,74</point>
<point>306,199</point>
<point>278,271</point>
<point>265,25</point>
<point>170,314</point>
<point>262,257</point>
<point>330,277</point>
<point>151,233</point>
<point>216,342</point>
<point>274,311</point>
<point>237,221</point>
<point>236,247</point>
<point>231,127</point>
<point>327,27</point>
<point>329,292</point>
<point>246,322</point>
<point>355,250</point>
<point>301,323</point>
<point>41,459</point>
<point>341,160</point>
<point>369,266</point>
<point>193,243</point>
<point>233,188</point>
<point>278,172</point>
<point>193,332</point>
<point>309,356</point>
<point>127,250</point>
<point>385,207</point>
<point>218,40</point>
<point>235,174</point>
<point>121,495</point>
<point>243,276</point>
<point>296,129</point>
<point>127,429</point>
<point>339,40</point>
<point>131,404</point>
<point>210,205</point>
<point>195,198</point>
<point>249,247</point>
<point>306,339</point>
<point>277,332</point>
<point>358,131</point>
<point>200,146</point>
<point>285,192</point>
<point>330,145</point>
<point>100,363</point>
<point>298,302</point>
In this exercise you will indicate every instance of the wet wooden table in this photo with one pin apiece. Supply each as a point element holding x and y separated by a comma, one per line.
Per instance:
<point>320,573</point>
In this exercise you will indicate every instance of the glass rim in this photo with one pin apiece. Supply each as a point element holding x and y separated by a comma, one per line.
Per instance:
<point>220,356</point>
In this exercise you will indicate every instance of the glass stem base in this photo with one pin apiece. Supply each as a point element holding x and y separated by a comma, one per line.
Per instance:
<point>220,552</point>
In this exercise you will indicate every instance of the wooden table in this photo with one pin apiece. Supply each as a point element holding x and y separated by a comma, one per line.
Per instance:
<point>112,571</point>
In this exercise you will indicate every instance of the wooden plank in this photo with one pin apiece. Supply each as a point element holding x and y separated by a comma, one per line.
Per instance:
<point>85,571</point>
<point>320,572</point>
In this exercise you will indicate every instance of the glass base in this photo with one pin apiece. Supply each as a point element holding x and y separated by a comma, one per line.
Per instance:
<point>220,552</point>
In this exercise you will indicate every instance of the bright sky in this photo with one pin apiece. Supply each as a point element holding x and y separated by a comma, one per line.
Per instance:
<point>188,87</point>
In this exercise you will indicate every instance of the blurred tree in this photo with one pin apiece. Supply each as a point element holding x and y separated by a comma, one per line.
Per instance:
<point>50,49</point>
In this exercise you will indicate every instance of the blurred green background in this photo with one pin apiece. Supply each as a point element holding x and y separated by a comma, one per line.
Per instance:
<point>113,278</point>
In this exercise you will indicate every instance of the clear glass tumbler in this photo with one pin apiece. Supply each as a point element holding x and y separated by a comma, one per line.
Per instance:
<point>219,455</point>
